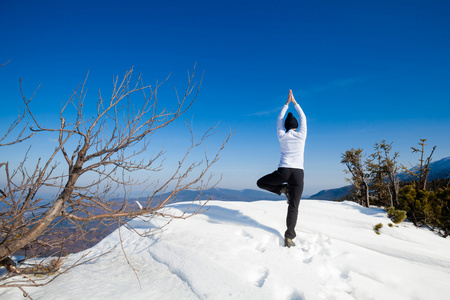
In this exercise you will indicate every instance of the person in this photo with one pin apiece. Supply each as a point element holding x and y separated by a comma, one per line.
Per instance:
<point>288,178</point>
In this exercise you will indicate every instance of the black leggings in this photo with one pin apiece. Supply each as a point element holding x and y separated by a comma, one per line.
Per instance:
<point>274,182</point>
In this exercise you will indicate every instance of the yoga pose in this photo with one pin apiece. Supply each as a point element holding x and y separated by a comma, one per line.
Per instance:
<point>288,179</point>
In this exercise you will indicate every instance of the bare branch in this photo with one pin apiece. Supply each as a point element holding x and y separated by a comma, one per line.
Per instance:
<point>101,154</point>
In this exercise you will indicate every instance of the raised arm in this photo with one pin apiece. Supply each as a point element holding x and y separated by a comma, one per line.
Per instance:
<point>302,127</point>
<point>280,127</point>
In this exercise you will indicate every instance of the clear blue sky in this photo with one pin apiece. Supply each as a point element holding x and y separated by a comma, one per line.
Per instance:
<point>362,71</point>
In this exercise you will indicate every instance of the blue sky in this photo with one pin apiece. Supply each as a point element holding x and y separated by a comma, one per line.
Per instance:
<point>362,71</point>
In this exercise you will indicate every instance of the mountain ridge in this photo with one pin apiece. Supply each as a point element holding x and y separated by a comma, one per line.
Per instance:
<point>438,169</point>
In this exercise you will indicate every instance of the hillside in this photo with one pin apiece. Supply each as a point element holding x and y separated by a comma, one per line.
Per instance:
<point>438,169</point>
<point>234,251</point>
<point>332,194</point>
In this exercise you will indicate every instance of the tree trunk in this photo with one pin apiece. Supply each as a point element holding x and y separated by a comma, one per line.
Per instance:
<point>367,199</point>
<point>10,248</point>
<point>447,233</point>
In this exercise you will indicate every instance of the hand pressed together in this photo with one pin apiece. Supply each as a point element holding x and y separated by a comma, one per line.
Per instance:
<point>291,98</point>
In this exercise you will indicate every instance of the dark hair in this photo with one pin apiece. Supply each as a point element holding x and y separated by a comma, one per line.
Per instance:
<point>290,122</point>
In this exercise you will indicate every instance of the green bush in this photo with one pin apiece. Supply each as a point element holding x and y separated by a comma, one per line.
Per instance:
<point>443,219</point>
<point>431,208</point>
<point>418,204</point>
<point>396,215</point>
<point>377,228</point>
<point>390,212</point>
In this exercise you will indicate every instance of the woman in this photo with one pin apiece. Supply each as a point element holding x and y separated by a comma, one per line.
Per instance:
<point>288,179</point>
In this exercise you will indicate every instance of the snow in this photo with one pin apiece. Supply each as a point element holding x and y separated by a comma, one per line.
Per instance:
<point>235,251</point>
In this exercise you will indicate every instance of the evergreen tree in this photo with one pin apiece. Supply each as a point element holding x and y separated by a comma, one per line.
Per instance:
<point>408,202</point>
<point>443,197</point>
<point>420,205</point>
<point>378,187</point>
<point>390,169</point>
<point>360,179</point>
<point>422,170</point>
<point>376,181</point>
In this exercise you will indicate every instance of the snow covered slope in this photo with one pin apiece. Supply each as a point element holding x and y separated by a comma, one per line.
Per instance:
<point>234,251</point>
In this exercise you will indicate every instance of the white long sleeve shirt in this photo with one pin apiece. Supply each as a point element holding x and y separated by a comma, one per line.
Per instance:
<point>292,143</point>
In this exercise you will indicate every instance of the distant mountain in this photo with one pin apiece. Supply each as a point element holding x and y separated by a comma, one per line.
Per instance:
<point>332,194</point>
<point>247,195</point>
<point>438,169</point>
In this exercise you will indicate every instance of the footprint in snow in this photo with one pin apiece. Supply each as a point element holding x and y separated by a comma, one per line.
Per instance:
<point>318,249</point>
<point>257,244</point>
<point>316,245</point>
<point>245,234</point>
<point>261,277</point>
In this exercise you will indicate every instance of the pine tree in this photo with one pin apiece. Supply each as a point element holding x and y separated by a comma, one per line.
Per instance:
<point>419,204</point>
<point>378,187</point>
<point>443,197</point>
<point>360,179</point>
<point>391,169</point>
<point>422,170</point>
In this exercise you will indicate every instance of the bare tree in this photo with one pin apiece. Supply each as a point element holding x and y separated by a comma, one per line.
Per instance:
<point>108,146</point>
